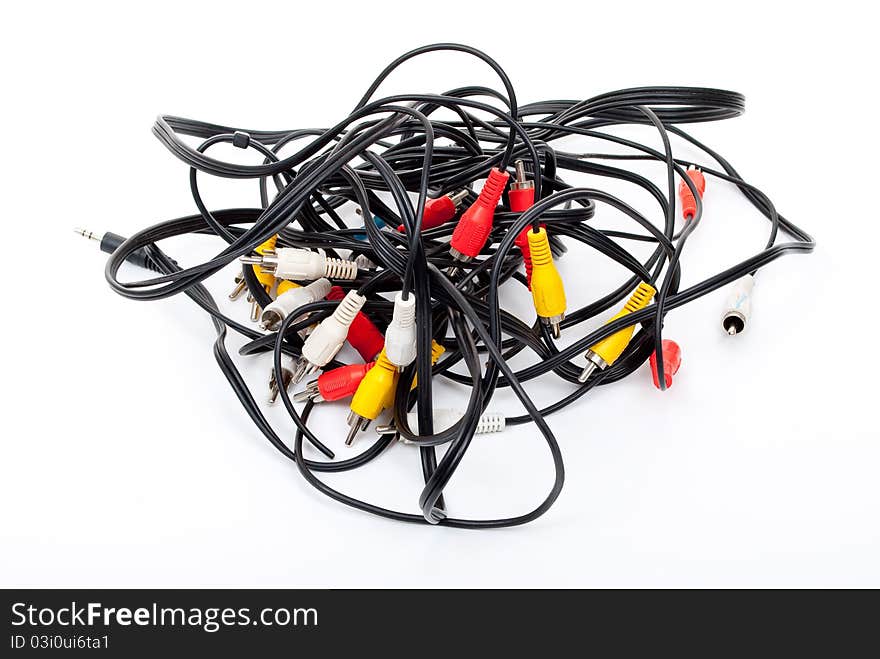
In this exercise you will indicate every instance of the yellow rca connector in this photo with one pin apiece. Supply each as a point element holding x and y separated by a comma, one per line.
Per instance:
<point>267,279</point>
<point>374,394</point>
<point>285,285</point>
<point>606,352</point>
<point>548,292</point>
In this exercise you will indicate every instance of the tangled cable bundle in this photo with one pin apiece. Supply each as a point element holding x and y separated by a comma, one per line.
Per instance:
<point>452,209</point>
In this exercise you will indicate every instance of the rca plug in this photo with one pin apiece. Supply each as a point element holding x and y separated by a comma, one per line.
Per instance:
<point>334,385</point>
<point>109,242</point>
<point>440,210</point>
<point>688,201</point>
<point>400,335</point>
<point>240,286</point>
<point>377,221</point>
<point>301,264</point>
<point>374,394</point>
<point>444,419</point>
<point>548,293</point>
<point>475,225</point>
<point>327,338</point>
<point>522,190</point>
<point>739,306</point>
<point>288,377</point>
<point>522,241</point>
<point>671,363</point>
<point>363,335</point>
<point>604,353</point>
<point>291,297</point>
<point>265,278</point>
<point>522,198</point>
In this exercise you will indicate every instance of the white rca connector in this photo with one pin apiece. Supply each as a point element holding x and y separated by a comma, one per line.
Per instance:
<point>444,419</point>
<point>364,263</point>
<point>400,336</point>
<point>326,340</point>
<point>739,306</point>
<point>289,301</point>
<point>302,264</point>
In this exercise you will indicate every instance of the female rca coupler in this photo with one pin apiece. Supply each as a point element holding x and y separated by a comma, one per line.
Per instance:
<point>291,300</point>
<point>400,336</point>
<point>739,306</point>
<point>302,264</point>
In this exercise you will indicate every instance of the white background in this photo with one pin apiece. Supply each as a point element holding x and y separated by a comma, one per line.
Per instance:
<point>126,460</point>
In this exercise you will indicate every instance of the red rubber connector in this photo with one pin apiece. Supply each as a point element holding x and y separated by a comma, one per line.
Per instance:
<point>342,382</point>
<point>363,335</point>
<point>522,198</point>
<point>473,228</point>
<point>688,202</point>
<point>440,210</point>
<point>671,363</point>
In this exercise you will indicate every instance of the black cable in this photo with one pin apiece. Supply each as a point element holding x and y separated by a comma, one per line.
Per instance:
<point>390,158</point>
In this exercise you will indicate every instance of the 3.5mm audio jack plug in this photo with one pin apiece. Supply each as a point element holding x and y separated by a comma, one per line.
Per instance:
<point>604,353</point>
<point>110,242</point>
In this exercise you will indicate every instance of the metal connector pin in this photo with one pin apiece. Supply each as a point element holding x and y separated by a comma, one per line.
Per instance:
<point>240,286</point>
<point>268,260</point>
<point>356,423</point>
<point>286,381</point>
<point>91,235</point>
<point>311,392</point>
<point>594,361</point>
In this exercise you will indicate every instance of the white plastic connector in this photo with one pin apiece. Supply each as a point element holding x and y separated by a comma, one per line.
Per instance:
<point>739,306</point>
<point>364,263</point>
<point>400,337</point>
<point>274,314</point>
<point>444,419</point>
<point>328,337</point>
<point>302,264</point>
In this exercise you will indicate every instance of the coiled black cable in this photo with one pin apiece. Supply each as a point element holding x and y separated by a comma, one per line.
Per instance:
<point>389,157</point>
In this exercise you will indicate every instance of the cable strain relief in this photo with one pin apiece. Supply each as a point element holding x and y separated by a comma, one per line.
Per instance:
<point>491,422</point>
<point>539,248</point>
<point>340,269</point>
<point>404,310</point>
<point>640,298</point>
<point>493,189</point>
<point>349,307</point>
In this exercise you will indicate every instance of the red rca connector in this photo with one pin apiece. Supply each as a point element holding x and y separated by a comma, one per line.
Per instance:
<point>475,225</point>
<point>522,198</point>
<point>522,190</point>
<point>440,210</point>
<point>688,201</point>
<point>333,385</point>
<point>671,363</point>
<point>363,335</point>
